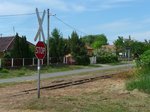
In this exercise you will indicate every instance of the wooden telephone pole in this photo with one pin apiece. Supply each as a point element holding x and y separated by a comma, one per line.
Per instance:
<point>48,36</point>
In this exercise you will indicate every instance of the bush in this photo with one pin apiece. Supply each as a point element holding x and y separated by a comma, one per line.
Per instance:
<point>142,81</point>
<point>82,60</point>
<point>145,59</point>
<point>107,58</point>
<point>4,70</point>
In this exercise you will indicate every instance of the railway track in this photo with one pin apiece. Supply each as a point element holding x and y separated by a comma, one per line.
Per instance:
<point>72,82</point>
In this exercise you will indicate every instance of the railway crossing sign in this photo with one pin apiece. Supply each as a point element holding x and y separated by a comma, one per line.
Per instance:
<point>40,30</point>
<point>40,50</point>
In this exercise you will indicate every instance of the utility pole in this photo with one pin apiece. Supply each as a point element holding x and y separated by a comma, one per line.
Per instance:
<point>48,36</point>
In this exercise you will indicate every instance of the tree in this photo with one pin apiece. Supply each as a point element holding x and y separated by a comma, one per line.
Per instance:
<point>119,44</point>
<point>96,41</point>
<point>145,59</point>
<point>89,39</point>
<point>78,50</point>
<point>21,48</point>
<point>147,44</point>
<point>137,48</point>
<point>57,45</point>
<point>99,41</point>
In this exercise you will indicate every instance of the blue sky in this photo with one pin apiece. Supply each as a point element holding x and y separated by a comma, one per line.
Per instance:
<point>111,17</point>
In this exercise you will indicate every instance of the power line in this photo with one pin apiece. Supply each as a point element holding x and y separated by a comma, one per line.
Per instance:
<point>27,14</point>
<point>13,15</point>
<point>70,26</point>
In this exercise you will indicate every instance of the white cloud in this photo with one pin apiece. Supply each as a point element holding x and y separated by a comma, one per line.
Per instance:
<point>53,4</point>
<point>117,25</point>
<point>141,35</point>
<point>98,5</point>
<point>78,8</point>
<point>18,6</point>
<point>13,8</point>
<point>124,25</point>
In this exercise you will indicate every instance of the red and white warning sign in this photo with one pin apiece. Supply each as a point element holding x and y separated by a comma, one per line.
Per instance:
<point>40,50</point>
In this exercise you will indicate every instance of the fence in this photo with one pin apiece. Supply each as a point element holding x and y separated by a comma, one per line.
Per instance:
<point>21,62</point>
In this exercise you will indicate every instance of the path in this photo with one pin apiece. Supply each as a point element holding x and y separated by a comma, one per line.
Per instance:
<point>72,72</point>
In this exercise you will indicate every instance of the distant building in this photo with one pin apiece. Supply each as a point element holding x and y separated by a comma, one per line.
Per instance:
<point>89,50</point>
<point>109,48</point>
<point>6,44</point>
<point>68,59</point>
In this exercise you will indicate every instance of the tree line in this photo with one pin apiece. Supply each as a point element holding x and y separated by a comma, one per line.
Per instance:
<point>75,45</point>
<point>136,48</point>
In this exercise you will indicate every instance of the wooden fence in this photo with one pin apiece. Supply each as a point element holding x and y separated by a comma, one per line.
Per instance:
<point>21,62</point>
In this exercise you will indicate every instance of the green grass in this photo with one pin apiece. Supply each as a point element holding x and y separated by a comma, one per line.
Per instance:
<point>5,73</point>
<point>120,63</point>
<point>50,69</point>
<point>141,81</point>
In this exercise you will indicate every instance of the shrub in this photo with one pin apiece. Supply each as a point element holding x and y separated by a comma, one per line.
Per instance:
<point>107,58</point>
<point>142,81</point>
<point>145,59</point>
<point>82,60</point>
<point>4,70</point>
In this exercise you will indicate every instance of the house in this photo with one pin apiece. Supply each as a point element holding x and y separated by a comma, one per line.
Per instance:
<point>89,50</point>
<point>109,48</point>
<point>68,59</point>
<point>6,44</point>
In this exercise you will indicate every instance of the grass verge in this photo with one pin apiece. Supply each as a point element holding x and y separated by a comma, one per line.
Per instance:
<point>140,81</point>
<point>5,73</point>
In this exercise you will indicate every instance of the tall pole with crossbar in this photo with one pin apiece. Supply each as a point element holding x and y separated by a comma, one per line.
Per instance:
<point>48,36</point>
<point>39,34</point>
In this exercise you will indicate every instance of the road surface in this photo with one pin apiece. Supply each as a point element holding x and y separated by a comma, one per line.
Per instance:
<point>72,72</point>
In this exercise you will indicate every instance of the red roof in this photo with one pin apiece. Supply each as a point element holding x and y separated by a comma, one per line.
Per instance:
<point>5,42</point>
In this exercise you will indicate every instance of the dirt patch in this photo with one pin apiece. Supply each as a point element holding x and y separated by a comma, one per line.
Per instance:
<point>110,91</point>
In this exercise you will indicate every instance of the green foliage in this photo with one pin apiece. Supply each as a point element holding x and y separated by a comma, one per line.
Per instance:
<point>57,45</point>
<point>141,81</point>
<point>78,50</point>
<point>100,40</point>
<point>4,70</point>
<point>89,39</point>
<point>82,60</point>
<point>21,48</point>
<point>136,48</point>
<point>107,58</point>
<point>119,44</point>
<point>96,41</point>
<point>145,59</point>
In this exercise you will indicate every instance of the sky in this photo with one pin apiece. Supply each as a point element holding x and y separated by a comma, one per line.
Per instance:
<point>110,17</point>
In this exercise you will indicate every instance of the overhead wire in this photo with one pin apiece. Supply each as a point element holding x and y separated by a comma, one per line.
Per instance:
<point>56,17</point>
<point>70,26</point>
<point>26,14</point>
<point>23,14</point>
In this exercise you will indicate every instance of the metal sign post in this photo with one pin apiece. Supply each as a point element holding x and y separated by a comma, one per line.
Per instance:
<point>38,86</point>
<point>39,49</point>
